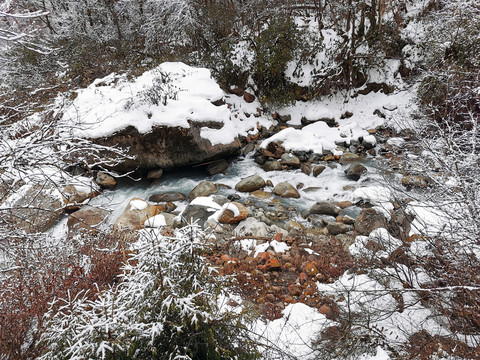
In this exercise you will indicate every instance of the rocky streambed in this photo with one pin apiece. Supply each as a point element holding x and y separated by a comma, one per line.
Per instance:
<point>280,220</point>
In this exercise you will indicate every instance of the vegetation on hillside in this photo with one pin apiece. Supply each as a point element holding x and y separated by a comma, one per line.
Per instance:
<point>160,299</point>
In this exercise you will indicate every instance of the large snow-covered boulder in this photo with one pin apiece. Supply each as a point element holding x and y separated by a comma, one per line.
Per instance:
<point>168,117</point>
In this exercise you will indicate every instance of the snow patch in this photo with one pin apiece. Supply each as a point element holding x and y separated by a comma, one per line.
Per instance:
<point>138,204</point>
<point>155,221</point>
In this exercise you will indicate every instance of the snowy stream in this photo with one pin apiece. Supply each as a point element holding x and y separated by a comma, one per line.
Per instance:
<point>331,184</point>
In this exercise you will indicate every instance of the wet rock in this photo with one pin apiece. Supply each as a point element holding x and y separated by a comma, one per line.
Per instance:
<point>233,197</point>
<point>348,157</point>
<point>344,204</point>
<point>284,189</point>
<point>155,174</point>
<point>369,220</point>
<point>217,167</point>
<point>355,171</point>
<point>232,217</point>
<point>260,194</point>
<point>248,149</point>
<point>135,215</point>
<point>105,181</point>
<point>306,169</point>
<point>290,160</point>
<point>317,170</point>
<point>260,159</point>
<point>324,208</point>
<point>251,227</point>
<point>168,147</point>
<point>167,197</point>
<point>169,207</point>
<point>320,221</point>
<point>205,188</point>
<point>87,218</point>
<point>273,165</point>
<point>346,220</point>
<point>336,228</point>
<point>250,184</point>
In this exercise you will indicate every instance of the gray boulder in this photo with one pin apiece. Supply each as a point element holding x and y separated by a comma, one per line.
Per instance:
<point>369,220</point>
<point>205,188</point>
<point>323,208</point>
<point>87,218</point>
<point>155,174</point>
<point>105,181</point>
<point>284,189</point>
<point>348,157</point>
<point>273,165</point>
<point>250,184</point>
<point>335,228</point>
<point>167,147</point>
<point>217,167</point>
<point>251,227</point>
<point>355,171</point>
<point>290,160</point>
<point>167,197</point>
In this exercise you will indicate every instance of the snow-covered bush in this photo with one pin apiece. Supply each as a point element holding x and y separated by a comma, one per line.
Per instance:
<point>168,305</point>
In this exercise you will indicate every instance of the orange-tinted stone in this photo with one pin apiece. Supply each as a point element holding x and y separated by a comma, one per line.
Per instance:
<point>273,265</point>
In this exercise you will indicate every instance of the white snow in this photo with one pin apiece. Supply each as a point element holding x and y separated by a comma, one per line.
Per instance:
<point>294,332</point>
<point>318,136</point>
<point>206,202</point>
<point>228,206</point>
<point>170,95</point>
<point>155,221</point>
<point>370,139</point>
<point>377,195</point>
<point>138,204</point>
<point>380,236</point>
<point>380,354</point>
<point>396,141</point>
<point>279,247</point>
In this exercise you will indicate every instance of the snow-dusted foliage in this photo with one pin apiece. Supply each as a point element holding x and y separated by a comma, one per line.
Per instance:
<point>167,305</point>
